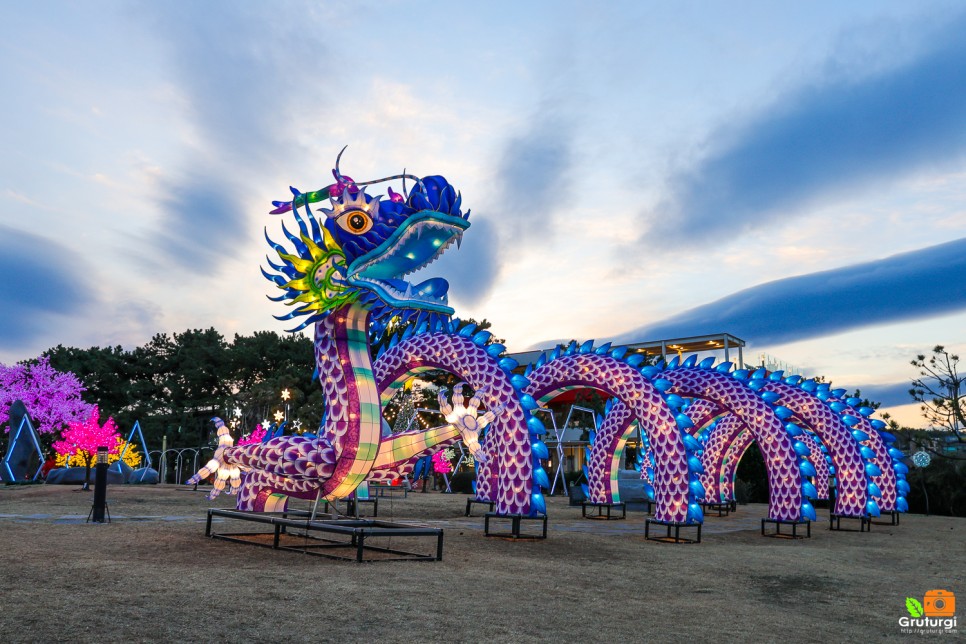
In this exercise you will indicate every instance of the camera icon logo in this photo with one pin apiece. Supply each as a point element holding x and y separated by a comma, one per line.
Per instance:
<point>939,603</point>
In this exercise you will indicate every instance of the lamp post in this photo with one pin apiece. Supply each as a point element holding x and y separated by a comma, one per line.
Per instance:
<point>921,459</point>
<point>100,486</point>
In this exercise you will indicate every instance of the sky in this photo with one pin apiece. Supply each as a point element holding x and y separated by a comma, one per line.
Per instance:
<point>792,175</point>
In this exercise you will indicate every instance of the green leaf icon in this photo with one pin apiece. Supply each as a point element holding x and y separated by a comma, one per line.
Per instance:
<point>914,607</point>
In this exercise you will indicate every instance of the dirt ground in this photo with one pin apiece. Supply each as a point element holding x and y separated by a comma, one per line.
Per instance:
<point>151,575</point>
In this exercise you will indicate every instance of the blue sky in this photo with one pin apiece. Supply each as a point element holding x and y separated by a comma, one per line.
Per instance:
<point>793,175</point>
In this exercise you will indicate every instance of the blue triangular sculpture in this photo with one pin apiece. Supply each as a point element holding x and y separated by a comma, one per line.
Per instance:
<point>136,430</point>
<point>23,443</point>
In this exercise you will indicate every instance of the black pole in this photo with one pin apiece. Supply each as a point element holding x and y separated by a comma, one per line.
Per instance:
<point>922,481</point>
<point>100,485</point>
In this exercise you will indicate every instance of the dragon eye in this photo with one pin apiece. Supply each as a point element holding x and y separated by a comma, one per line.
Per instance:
<point>356,222</point>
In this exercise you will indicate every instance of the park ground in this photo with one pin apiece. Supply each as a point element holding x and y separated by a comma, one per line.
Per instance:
<point>151,575</point>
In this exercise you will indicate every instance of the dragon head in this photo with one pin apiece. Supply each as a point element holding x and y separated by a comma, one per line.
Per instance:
<point>364,247</point>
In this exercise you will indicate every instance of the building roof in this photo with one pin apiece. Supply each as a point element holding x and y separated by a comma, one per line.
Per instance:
<point>673,346</point>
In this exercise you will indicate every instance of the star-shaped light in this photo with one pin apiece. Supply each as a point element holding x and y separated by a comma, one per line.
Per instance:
<point>297,425</point>
<point>279,416</point>
<point>285,394</point>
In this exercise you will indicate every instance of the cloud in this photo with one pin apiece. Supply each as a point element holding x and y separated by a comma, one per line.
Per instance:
<point>203,219</point>
<point>42,280</point>
<point>835,134</point>
<point>470,270</point>
<point>235,65</point>
<point>919,284</point>
<point>891,395</point>
<point>533,172</point>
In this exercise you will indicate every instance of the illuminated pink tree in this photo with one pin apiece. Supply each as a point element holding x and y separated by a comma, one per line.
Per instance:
<point>53,398</point>
<point>84,437</point>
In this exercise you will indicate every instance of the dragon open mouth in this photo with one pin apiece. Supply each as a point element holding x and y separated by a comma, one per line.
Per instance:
<point>420,241</point>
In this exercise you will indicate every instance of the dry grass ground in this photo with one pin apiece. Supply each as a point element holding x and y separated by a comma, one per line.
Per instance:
<point>151,575</point>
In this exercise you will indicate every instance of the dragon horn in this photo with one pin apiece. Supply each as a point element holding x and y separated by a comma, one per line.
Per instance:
<point>336,172</point>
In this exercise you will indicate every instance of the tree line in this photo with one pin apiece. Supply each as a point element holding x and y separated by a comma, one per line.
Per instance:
<point>174,384</point>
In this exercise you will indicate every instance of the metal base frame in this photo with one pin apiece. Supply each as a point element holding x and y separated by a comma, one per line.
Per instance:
<point>677,538</point>
<point>473,501</point>
<point>893,518</point>
<point>600,510</point>
<point>835,522</point>
<point>387,490</point>
<point>778,523</point>
<point>351,506</point>
<point>723,509</point>
<point>107,513</point>
<point>516,525</point>
<point>352,535</point>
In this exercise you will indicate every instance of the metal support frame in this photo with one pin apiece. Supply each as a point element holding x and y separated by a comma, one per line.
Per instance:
<point>835,522</point>
<point>473,501</point>
<point>778,523</point>
<point>516,525</point>
<point>570,413</point>
<point>600,510</point>
<point>306,542</point>
<point>893,518</point>
<point>677,538</point>
<point>722,508</point>
<point>107,511</point>
<point>558,434</point>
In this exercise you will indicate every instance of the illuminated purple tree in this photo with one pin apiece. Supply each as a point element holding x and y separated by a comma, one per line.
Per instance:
<point>53,398</point>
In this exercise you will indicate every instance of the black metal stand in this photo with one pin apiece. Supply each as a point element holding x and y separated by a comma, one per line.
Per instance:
<point>893,518</point>
<point>356,530</point>
<point>351,506</point>
<point>723,509</point>
<point>388,490</point>
<point>600,510</point>
<point>107,510</point>
<point>794,534</point>
<point>648,505</point>
<point>473,501</point>
<point>835,522</point>
<point>516,526</point>
<point>677,538</point>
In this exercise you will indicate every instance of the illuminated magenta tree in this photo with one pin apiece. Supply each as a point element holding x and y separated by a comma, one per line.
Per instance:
<point>82,438</point>
<point>53,398</point>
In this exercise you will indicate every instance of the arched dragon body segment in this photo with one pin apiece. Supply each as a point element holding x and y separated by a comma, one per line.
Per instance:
<point>885,481</point>
<point>602,482</point>
<point>717,486</point>
<point>733,454</point>
<point>702,411</point>
<point>850,474</point>
<point>618,379</point>
<point>506,476</point>
<point>781,460</point>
